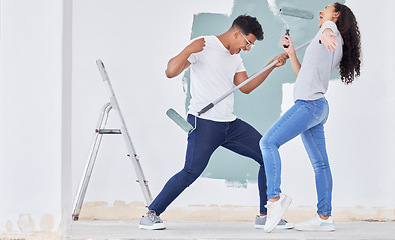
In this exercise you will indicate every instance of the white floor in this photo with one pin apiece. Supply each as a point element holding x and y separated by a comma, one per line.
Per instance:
<point>224,230</point>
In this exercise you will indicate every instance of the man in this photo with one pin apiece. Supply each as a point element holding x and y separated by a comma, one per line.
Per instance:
<point>215,67</point>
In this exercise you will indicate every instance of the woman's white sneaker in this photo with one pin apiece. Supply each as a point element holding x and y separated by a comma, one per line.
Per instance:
<point>317,224</point>
<point>275,211</point>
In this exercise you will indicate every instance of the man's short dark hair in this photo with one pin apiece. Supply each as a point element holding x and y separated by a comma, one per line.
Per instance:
<point>247,25</point>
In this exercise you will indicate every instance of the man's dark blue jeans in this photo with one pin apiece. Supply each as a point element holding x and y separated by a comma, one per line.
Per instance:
<point>237,136</point>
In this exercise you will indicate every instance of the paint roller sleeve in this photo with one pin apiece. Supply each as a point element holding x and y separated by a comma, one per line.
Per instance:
<point>180,121</point>
<point>294,12</point>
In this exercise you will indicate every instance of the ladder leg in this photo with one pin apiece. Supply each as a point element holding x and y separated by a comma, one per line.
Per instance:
<point>132,153</point>
<point>91,162</point>
<point>137,167</point>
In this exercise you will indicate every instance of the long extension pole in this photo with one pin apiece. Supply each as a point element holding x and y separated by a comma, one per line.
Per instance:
<point>212,104</point>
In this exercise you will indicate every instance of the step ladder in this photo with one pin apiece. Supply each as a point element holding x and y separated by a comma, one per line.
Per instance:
<point>99,132</point>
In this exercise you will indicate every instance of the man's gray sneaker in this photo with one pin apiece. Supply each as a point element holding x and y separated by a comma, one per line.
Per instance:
<point>151,222</point>
<point>260,223</point>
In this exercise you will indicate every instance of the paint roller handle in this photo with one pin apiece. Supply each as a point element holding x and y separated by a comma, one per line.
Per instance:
<point>286,33</point>
<point>206,108</point>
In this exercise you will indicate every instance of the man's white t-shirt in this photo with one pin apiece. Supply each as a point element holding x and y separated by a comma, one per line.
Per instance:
<point>212,75</point>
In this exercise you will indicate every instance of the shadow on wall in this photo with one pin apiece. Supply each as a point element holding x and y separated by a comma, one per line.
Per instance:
<point>262,107</point>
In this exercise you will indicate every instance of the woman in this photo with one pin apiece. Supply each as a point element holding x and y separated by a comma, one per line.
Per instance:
<point>337,41</point>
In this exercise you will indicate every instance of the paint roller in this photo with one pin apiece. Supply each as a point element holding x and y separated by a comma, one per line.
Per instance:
<point>187,127</point>
<point>294,12</point>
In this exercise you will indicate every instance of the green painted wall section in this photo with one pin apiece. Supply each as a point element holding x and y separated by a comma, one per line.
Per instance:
<point>262,107</point>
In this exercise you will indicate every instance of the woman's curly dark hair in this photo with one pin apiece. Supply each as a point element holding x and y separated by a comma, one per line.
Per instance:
<point>348,28</point>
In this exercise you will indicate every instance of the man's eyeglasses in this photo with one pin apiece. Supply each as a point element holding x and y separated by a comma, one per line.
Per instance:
<point>249,44</point>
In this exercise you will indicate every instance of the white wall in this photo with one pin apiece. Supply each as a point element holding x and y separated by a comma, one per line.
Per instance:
<point>35,115</point>
<point>136,39</point>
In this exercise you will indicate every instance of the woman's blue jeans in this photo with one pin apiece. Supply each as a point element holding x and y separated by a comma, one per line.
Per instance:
<point>306,118</point>
<point>237,136</point>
